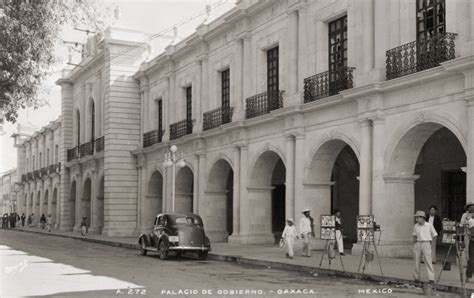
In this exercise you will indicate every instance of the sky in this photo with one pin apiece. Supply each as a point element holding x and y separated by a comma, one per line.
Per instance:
<point>150,16</point>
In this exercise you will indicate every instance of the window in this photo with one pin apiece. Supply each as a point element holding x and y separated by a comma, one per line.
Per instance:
<point>225,87</point>
<point>78,124</point>
<point>34,164</point>
<point>189,110</point>
<point>56,152</point>
<point>40,160</point>
<point>92,120</point>
<point>47,157</point>
<point>160,116</point>
<point>27,165</point>
<point>272,69</point>
<point>337,44</point>
<point>430,18</point>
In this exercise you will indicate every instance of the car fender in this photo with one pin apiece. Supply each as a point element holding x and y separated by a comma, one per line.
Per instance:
<point>146,237</point>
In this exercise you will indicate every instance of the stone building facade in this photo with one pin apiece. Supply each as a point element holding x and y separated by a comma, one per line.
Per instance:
<point>9,191</point>
<point>279,106</point>
<point>39,171</point>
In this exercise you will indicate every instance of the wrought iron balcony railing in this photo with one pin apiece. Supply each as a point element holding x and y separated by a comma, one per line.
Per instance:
<point>327,83</point>
<point>24,178</point>
<point>29,176</point>
<point>181,128</point>
<point>217,117</point>
<point>56,168</point>
<point>263,103</point>
<point>419,55</point>
<point>86,149</point>
<point>44,171</point>
<point>152,137</point>
<point>36,174</point>
<point>99,144</point>
<point>73,153</point>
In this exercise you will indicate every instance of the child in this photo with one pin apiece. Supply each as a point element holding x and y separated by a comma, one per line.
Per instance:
<point>290,235</point>
<point>423,233</point>
<point>83,226</point>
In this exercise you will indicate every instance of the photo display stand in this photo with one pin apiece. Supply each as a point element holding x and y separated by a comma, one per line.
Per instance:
<point>454,234</point>
<point>366,228</point>
<point>328,233</point>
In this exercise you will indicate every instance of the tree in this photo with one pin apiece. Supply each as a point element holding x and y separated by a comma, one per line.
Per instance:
<point>29,30</point>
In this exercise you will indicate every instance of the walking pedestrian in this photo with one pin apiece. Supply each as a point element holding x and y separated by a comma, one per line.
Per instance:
<point>470,263</point>
<point>43,221</point>
<point>436,222</point>
<point>23,217</point>
<point>290,235</point>
<point>49,222</point>
<point>339,229</point>
<point>84,226</point>
<point>4,221</point>
<point>12,220</point>
<point>469,214</point>
<point>33,220</point>
<point>306,230</point>
<point>423,233</point>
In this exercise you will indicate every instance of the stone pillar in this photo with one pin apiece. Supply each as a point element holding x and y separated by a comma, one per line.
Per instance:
<point>79,186</point>
<point>144,112</point>
<point>321,47</point>
<point>290,177</point>
<point>28,198</point>
<point>365,187</point>
<point>299,176</point>
<point>470,148</point>
<point>236,194</point>
<point>238,82</point>
<point>142,181</point>
<point>292,61</point>
<point>200,182</point>
<point>171,106</point>
<point>204,89</point>
<point>94,216</point>
<point>244,225</point>
<point>50,196</point>
<point>247,67</point>
<point>378,156</point>
<point>382,37</point>
<point>302,48</point>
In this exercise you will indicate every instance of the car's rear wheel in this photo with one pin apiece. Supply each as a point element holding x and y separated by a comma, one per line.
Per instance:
<point>163,251</point>
<point>143,250</point>
<point>202,255</point>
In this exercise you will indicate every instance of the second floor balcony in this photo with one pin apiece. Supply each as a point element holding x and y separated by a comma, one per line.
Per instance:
<point>56,168</point>
<point>30,176</point>
<point>72,153</point>
<point>327,83</point>
<point>24,178</point>
<point>217,117</point>
<point>99,144</point>
<point>181,128</point>
<point>152,137</point>
<point>263,103</point>
<point>86,149</point>
<point>36,174</point>
<point>44,171</point>
<point>419,55</point>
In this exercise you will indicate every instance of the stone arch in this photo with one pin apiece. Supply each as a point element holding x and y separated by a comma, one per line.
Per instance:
<point>184,189</point>
<point>153,203</point>
<point>331,181</point>
<point>407,155</point>
<point>266,193</point>
<point>216,208</point>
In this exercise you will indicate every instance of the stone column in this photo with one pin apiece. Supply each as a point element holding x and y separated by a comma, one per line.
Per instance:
<point>299,176</point>
<point>365,187</point>
<point>142,181</point>
<point>470,148</point>
<point>290,177</point>
<point>204,90</point>
<point>79,186</point>
<point>171,106</point>
<point>238,75</point>
<point>236,194</point>
<point>144,112</point>
<point>244,225</point>
<point>247,67</point>
<point>292,60</point>
<point>50,195</point>
<point>382,37</point>
<point>94,216</point>
<point>201,182</point>
<point>302,48</point>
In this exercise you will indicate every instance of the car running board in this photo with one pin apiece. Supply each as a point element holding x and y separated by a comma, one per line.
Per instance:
<point>151,248</point>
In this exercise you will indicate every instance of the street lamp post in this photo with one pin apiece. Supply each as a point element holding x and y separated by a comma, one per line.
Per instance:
<point>173,160</point>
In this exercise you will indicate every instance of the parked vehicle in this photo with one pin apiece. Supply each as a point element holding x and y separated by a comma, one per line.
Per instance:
<point>177,233</point>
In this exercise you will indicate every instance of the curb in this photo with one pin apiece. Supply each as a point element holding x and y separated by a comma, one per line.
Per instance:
<point>276,265</point>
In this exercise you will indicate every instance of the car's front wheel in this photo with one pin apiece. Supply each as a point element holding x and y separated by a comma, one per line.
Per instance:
<point>163,251</point>
<point>143,250</point>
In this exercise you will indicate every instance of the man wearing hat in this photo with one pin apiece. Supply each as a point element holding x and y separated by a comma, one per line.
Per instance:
<point>468,215</point>
<point>423,233</point>
<point>290,235</point>
<point>306,231</point>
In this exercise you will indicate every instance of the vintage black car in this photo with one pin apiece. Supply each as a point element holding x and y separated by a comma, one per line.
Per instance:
<point>177,233</point>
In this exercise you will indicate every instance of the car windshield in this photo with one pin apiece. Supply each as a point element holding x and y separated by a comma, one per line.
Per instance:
<point>187,220</point>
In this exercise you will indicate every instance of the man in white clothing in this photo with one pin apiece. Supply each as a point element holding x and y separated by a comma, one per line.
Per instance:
<point>306,231</point>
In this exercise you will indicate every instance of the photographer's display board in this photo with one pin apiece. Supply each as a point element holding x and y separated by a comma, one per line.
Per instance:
<point>328,227</point>
<point>365,228</point>
<point>449,231</point>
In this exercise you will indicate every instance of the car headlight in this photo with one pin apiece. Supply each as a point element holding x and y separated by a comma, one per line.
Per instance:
<point>174,239</point>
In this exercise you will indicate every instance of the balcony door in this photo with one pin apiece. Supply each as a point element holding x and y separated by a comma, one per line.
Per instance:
<point>189,110</point>
<point>272,78</point>
<point>225,77</point>
<point>337,55</point>
<point>160,117</point>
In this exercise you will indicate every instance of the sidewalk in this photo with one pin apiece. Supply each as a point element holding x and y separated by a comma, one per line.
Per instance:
<point>395,270</point>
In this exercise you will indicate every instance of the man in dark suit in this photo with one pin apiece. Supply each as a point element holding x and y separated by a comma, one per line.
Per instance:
<point>436,222</point>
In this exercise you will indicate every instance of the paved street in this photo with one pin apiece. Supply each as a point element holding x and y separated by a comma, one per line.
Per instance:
<point>67,267</point>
